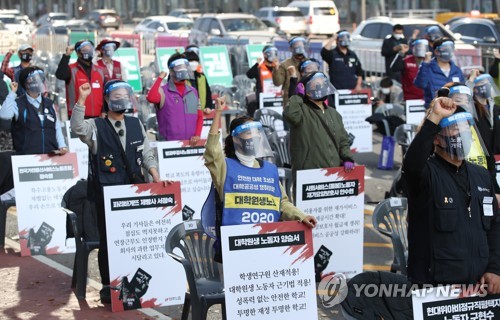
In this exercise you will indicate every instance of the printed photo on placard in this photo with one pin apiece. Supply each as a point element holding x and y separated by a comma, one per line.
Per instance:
<point>178,160</point>
<point>139,218</point>
<point>336,199</point>
<point>279,283</point>
<point>40,182</point>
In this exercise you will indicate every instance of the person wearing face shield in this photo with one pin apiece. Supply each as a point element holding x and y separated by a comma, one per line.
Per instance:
<point>113,68</point>
<point>344,67</point>
<point>178,112</point>
<point>243,160</point>
<point>394,49</point>
<point>435,73</point>
<point>262,72</point>
<point>80,72</point>
<point>453,221</point>
<point>419,48</point>
<point>119,150</point>
<point>199,81</point>
<point>25,53</point>
<point>35,126</point>
<point>432,34</point>
<point>318,138</point>
<point>283,71</point>
<point>306,67</point>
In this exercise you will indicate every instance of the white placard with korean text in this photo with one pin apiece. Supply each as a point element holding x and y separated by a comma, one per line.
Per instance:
<point>40,182</point>
<point>415,111</point>
<point>336,198</point>
<point>139,218</point>
<point>455,302</point>
<point>354,109</point>
<point>76,145</point>
<point>279,282</point>
<point>178,161</point>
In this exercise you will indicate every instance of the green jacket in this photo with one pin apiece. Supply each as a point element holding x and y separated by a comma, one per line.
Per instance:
<point>310,145</point>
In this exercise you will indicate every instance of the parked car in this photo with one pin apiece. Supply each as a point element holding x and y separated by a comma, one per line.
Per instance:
<point>289,19</point>
<point>322,17</point>
<point>368,37</point>
<point>192,14</point>
<point>64,28</point>
<point>12,23</point>
<point>168,24</point>
<point>477,31</point>
<point>105,18</point>
<point>49,18</point>
<point>233,30</point>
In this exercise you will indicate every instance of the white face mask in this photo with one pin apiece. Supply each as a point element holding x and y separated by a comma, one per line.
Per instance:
<point>385,90</point>
<point>194,65</point>
<point>398,36</point>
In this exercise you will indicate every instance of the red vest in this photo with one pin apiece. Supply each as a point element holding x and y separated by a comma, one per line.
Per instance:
<point>94,102</point>
<point>117,70</point>
<point>410,91</point>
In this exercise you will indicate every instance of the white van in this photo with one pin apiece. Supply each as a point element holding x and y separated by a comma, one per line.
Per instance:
<point>322,17</point>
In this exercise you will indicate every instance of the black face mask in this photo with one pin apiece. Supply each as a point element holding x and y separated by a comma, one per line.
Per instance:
<point>458,145</point>
<point>26,57</point>
<point>33,88</point>
<point>87,57</point>
<point>483,91</point>
<point>119,106</point>
<point>248,146</point>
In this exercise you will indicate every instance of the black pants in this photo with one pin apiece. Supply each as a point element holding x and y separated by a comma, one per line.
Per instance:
<point>103,244</point>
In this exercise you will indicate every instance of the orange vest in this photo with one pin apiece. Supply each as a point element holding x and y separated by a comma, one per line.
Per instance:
<point>93,104</point>
<point>266,80</point>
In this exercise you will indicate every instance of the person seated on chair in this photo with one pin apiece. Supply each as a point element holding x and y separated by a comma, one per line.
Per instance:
<point>119,147</point>
<point>389,92</point>
<point>453,221</point>
<point>35,126</point>
<point>244,149</point>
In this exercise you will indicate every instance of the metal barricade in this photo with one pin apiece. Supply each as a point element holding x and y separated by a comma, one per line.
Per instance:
<point>54,43</point>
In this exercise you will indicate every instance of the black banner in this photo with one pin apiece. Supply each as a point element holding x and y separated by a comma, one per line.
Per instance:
<point>258,241</point>
<point>155,201</point>
<point>352,99</point>
<point>330,189</point>
<point>183,152</point>
<point>57,172</point>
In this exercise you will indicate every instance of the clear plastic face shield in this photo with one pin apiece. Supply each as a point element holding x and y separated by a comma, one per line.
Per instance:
<point>309,67</point>
<point>420,48</point>
<point>319,87</point>
<point>36,83</point>
<point>434,33</point>
<point>179,69</point>
<point>109,49</point>
<point>485,87</point>
<point>270,54</point>
<point>194,49</point>
<point>445,51</point>
<point>250,140</point>
<point>462,96</point>
<point>344,39</point>
<point>120,98</point>
<point>298,46</point>
<point>86,50</point>
<point>459,138</point>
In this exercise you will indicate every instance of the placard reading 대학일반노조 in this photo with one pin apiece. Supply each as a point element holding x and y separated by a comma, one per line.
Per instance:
<point>279,282</point>
<point>138,220</point>
<point>40,182</point>
<point>336,199</point>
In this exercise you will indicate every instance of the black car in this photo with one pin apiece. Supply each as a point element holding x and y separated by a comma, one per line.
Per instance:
<point>477,30</point>
<point>105,18</point>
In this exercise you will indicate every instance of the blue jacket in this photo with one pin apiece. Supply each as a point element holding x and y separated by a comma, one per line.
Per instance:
<point>430,78</point>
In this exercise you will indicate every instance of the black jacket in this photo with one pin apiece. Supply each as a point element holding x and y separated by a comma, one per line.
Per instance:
<point>390,55</point>
<point>451,237</point>
<point>343,69</point>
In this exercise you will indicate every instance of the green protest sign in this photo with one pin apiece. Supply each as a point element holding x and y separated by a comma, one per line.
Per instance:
<point>162,56</point>
<point>74,37</point>
<point>254,52</point>
<point>216,65</point>
<point>129,58</point>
